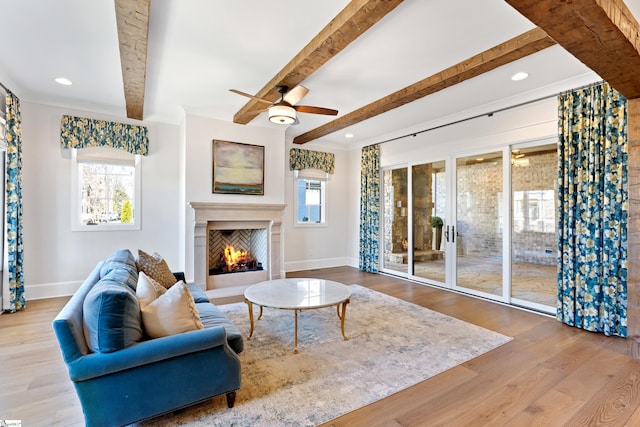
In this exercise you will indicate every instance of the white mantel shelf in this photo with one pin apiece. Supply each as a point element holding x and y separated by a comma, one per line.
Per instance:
<point>236,215</point>
<point>236,211</point>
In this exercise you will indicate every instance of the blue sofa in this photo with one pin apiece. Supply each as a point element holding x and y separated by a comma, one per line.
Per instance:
<point>147,377</point>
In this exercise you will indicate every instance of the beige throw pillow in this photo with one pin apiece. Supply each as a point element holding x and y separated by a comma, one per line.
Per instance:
<point>156,267</point>
<point>172,313</point>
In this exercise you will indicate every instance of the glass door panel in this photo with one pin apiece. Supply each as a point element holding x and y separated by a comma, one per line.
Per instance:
<point>395,221</point>
<point>534,235</point>
<point>429,191</point>
<point>478,234</point>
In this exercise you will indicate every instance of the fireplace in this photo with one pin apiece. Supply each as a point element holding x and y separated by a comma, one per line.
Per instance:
<point>252,228</point>
<point>236,251</point>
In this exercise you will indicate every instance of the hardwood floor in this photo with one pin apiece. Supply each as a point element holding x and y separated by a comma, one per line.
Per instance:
<point>549,375</point>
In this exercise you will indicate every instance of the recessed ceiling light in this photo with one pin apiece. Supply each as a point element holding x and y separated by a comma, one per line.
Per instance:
<point>519,76</point>
<point>63,81</point>
<point>348,135</point>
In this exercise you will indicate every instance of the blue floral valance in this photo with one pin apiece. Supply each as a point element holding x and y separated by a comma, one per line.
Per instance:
<point>80,132</point>
<point>307,159</point>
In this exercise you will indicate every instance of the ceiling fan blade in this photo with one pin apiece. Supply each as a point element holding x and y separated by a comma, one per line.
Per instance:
<point>315,110</point>
<point>295,94</point>
<point>253,112</point>
<point>239,92</point>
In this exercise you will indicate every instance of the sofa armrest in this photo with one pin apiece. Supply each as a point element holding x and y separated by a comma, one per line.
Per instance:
<point>147,352</point>
<point>179,275</point>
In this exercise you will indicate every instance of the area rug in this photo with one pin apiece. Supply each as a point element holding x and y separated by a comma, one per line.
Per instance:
<point>392,345</point>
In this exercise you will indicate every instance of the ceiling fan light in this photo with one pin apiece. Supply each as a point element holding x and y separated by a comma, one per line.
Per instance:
<point>282,114</point>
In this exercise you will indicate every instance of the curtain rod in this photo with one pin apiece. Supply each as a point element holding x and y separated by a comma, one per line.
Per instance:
<point>489,114</point>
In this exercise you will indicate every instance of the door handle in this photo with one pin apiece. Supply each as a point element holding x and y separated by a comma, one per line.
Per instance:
<point>446,234</point>
<point>453,233</point>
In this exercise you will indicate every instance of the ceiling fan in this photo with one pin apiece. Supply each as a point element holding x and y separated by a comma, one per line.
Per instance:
<point>284,110</point>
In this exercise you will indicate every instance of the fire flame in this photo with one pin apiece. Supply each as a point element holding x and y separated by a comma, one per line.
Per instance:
<point>233,256</point>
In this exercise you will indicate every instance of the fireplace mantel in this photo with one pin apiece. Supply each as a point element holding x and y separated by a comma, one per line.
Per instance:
<point>235,215</point>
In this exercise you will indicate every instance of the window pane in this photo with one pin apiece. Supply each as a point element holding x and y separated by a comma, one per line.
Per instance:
<point>107,193</point>
<point>310,201</point>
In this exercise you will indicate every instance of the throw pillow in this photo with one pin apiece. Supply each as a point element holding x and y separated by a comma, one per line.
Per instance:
<point>156,268</point>
<point>171,313</point>
<point>148,290</point>
<point>111,317</point>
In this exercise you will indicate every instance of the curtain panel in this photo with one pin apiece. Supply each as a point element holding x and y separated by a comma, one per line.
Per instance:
<point>369,208</point>
<point>593,210</point>
<point>80,132</point>
<point>13,196</point>
<point>307,159</point>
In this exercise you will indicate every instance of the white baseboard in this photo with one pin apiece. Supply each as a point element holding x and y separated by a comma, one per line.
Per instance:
<point>316,263</point>
<point>51,290</point>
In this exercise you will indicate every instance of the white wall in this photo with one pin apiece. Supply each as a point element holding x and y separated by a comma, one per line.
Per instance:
<point>56,259</point>
<point>178,170</point>
<point>198,164</point>
<point>319,246</point>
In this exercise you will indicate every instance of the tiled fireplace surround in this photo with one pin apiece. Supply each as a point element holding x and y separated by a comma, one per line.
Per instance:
<point>232,216</point>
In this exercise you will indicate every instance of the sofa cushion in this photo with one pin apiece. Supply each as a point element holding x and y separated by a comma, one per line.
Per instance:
<point>111,317</point>
<point>198,294</point>
<point>210,315</point>
<point>121,266</point>
<point>156,267</point>
<point>172,313</point>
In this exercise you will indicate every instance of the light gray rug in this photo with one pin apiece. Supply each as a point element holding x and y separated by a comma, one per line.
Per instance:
<point>392,345</point>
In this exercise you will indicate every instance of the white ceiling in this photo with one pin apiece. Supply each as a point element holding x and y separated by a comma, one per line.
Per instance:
<point>198,49</point>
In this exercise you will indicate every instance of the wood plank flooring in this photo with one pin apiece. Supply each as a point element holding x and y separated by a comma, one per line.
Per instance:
<point>549,375</point>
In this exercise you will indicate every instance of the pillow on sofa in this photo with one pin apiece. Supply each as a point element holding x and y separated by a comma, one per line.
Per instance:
<point>148,290</point>
<point>121,267</point>
<point>111,317</point>
<point>172,313</point>
<point>156,267</point>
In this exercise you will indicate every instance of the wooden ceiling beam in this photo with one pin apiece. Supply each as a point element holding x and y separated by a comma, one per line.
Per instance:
<point>356,18</point>
<point>132,18</point>
<point>602,34</point>
<point>518,47</point>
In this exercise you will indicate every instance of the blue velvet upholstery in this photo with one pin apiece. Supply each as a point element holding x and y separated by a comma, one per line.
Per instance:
<point>112,318</point>
<point>149,377</point>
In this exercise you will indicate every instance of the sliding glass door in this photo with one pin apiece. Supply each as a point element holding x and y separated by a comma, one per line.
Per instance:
<point>395,221</point>
<point>478,231</point>
<point>484,224</point>
<point>429,207</point>
<point>533,229</point>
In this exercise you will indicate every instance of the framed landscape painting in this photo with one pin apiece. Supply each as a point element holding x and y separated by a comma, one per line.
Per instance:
<point>238,168</point>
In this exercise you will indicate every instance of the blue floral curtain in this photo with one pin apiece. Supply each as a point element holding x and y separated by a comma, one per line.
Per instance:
<point>80,132</point>
<point>13,197</point>
<point>593,210</point>
<point>369,208</point>
<point>307,159</point>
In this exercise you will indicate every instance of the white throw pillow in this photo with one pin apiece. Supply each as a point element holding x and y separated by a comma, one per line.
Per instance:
<point>172,313</point>
<point>147,291</point>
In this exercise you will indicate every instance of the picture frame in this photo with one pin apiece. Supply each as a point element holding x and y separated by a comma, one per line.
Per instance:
<point>238,168</point>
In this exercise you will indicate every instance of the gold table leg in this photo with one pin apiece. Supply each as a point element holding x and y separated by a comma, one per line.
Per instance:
<point>341,314</point>
<point>295,345</point>
<point>250,305</point>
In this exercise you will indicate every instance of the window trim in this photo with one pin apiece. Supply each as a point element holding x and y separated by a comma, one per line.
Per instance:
<point>76,201</point>
<point>310,175</point>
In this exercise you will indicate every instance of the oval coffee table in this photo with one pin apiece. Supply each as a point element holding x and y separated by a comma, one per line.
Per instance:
<point>297,295</point>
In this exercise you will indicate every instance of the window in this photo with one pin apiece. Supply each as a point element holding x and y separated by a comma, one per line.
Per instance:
<point>310,197</point>
<point>106,188</point>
